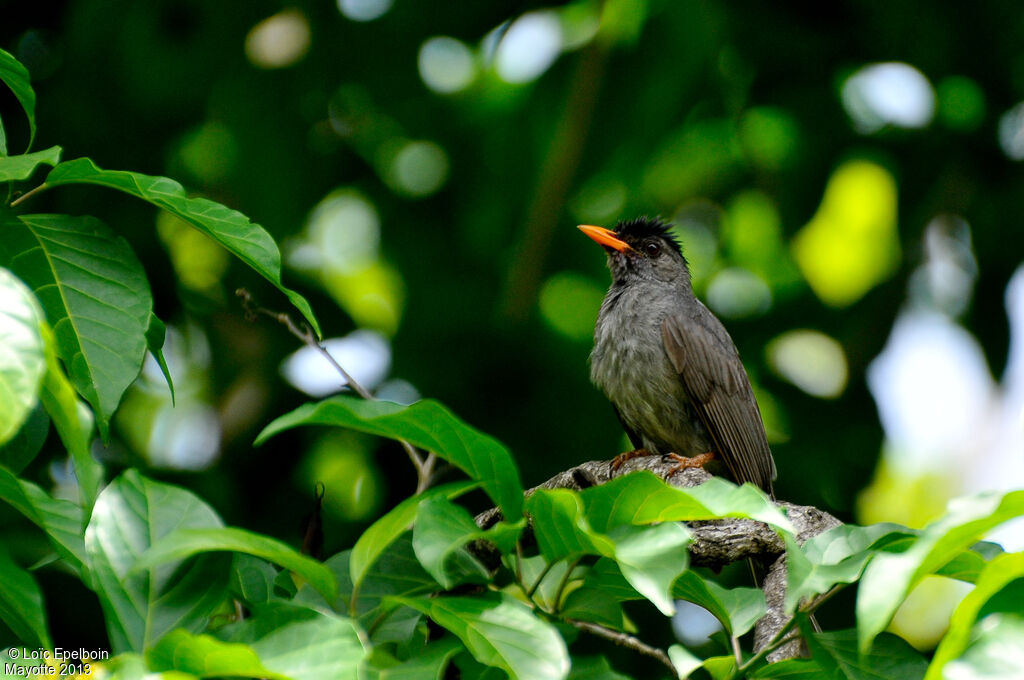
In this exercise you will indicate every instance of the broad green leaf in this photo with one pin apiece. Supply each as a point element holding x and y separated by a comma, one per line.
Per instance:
<point>997,652</point>
<point>95,294</point>
<point>3,139</point>
<point>252,579</point>
<point>396,522</point>
<point>888,578</point>
<point>17,78</point>
<point>684,660</point>
<point>891,657</point>
<point>441,532</point>
<point>302,644</point>
<point>500,631</point>
<point>1000,572</point>
<point>60,519</point>
<point>72,420</point>
<point>428,425</point>
<point>206,657</point>
<point>182,543</point>
<point>22,354</point>
<point>22,449</point>
<point>790,669</point>
<point>130,666</point>
<point>561,529</point>
<point>21,603</point>
<point>642,498</point>
<point>21,167</point>
<point>142,605</point>
<point>427,664</point>
<point>156,333</point>
<point>651,558</point>
<point>396,572</point>
<point>738,608</point>
<point>720,667</point>
<point>585,603</point>
<point>247,240</point>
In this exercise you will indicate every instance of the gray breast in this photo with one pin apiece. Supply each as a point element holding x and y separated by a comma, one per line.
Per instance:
<point>630,366</point>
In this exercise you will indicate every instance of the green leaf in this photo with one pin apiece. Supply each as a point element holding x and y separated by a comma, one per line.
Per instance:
<point>594,668</point>
<point>442,529</point>
<point>21,603</point>
<point>22,354</point>
<point>302,644</point>
<point>790,669</point>
<point>561,528</point>
<point>586,603</point>
<point>142,605</point>
<point>651,558</point>
<point>60,519</point>
<point>180,544</point>
<point>739,609</point>
<point>156,333</point>
<point>17,78</point>
<point>684,660</point>
<point>3,139</point>
<point>426,424</point>
<point>245,239</point>
<point>23,448</point>
<point>95,294</point>
<point>72,420</point>
<point>252,579</point>
<point>643,498</point>
<point>206,657</point>
<point>500,631</point>
<point>997,652</point>
<point>1000,572</point>
<point>396,572</point>
<point>396,522</point>
<point>427,664</point>
<point>888,578</point>
<point>891,657</point>
<point>21,167</point>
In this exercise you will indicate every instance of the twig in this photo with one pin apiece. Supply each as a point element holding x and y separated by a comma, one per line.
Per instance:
<point>424,466</point>
<point>28,194</point>
<point>625,640</point>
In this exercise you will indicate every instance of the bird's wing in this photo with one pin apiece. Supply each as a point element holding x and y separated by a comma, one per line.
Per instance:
<point>712,375</point>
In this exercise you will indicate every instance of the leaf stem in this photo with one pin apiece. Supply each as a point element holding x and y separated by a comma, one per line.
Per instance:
<point>31,192</point>
<point>424,466</point>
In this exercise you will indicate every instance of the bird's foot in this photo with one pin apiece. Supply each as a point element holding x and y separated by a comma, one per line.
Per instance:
<point>618,460</point>
<point>692,462</point>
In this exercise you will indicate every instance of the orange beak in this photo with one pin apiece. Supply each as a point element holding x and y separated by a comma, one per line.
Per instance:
<point>606,237</point>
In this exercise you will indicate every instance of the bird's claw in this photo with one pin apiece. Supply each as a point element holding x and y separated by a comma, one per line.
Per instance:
<point>697,461</point>
<point>620,459</point>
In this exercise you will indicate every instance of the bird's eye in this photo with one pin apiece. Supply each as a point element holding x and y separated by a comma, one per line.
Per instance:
<point>652,249</point>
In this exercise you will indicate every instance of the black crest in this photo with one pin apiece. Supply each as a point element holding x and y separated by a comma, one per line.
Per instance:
<point>634,231</point>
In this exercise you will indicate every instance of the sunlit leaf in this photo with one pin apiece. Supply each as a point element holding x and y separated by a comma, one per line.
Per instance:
<point>21,603</point>
<point>185,542</point>
<point>22,167</point>
<point>502,632</point>
<point>1000,572</point>
<point>95,294</point>
<point>996,652</point>
<point>442,529</point>
<point>17,78</point>
<point>247,240</point>
<point>22,354</point>
<point>206,657</point>
<point>426,424</point>
<point>738,609</point>
<point>889,577</point>
<point>141,605</point>
<point>302,644</point>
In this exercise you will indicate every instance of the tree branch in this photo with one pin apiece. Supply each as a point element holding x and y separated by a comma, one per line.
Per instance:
<point>716,543</point>
<point>625,640</point>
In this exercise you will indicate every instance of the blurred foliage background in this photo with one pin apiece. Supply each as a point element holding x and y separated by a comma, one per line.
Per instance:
<point>845,179</point>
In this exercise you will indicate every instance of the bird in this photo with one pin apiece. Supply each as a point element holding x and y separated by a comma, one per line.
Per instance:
<point>668,365</point>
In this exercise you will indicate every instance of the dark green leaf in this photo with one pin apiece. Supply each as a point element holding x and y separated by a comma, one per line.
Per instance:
<point>141,605</point>
<point>427,664</point>
<point>206,657</point>
<point>396,572</point>
<point>22,353</point>
<point>95,295</point>
<point>1000,572</point>
<point>891,657</point>
<point>594,668</point>
<point>60,519</point>
<point>790,669</point>
<point>155,335</point>
<point>21,603</point>
<point>560,527</point>
<point>500,631</point>
<point>26,444</point>
<point>738,608</point>
<point>185,542</point>
<point>21,167</point>
<point>300,643</point>
<point>396,522</point>
<point>888,578</point>
<point>17,78</point>
<point>252,579</point>
<point>247,240</point>
<point>592,604</point>
<point>426,424</point>
<point>441,532</point>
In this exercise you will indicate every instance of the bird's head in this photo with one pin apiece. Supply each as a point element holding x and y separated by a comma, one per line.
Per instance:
<point>641,249</point>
